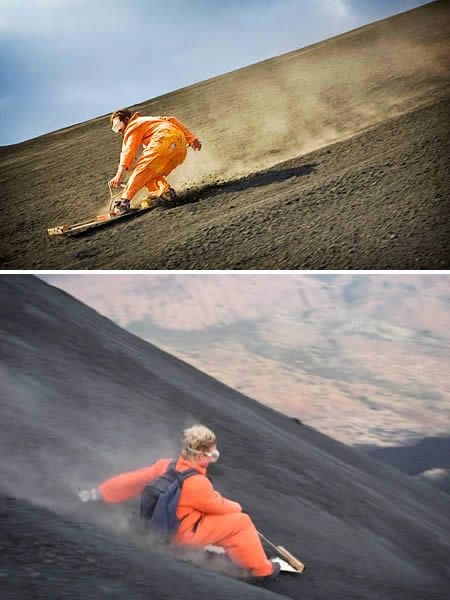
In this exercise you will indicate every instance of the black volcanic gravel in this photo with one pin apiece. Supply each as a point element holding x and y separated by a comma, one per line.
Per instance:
<point>83,399</point>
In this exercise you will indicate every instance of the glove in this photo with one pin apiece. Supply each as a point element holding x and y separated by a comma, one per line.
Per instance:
<point>89,495</point>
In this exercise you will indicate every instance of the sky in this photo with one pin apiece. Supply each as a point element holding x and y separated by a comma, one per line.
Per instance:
<point>67,61</point>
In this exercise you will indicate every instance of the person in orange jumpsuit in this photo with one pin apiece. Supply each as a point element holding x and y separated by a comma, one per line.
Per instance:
<point>206,516</point>
<point>165,141</point>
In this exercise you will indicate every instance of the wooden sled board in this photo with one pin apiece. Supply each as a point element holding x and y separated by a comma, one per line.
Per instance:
<point>96,222</point>
<point>285,566</point>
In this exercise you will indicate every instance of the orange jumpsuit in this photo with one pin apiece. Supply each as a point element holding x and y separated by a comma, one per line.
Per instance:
<point>219,521</point>
<point>165,141</point>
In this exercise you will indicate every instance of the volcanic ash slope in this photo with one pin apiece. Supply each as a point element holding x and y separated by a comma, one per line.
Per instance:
<point>82,399</point>
<point>332,156</point>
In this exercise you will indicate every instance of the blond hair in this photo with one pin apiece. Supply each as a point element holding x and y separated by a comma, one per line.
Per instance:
<point>198,438</point>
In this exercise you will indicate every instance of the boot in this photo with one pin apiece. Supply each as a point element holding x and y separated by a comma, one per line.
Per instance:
<point>122,206</point>
<point>164,200</point>
<point>169,195</point>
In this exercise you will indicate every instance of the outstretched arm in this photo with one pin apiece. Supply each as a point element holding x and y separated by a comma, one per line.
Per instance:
<point>130,146</point>
<point>118,177</point>
<point>125,486</point>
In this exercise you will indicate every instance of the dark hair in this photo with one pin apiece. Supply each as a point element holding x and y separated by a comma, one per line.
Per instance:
<point>124,115</point>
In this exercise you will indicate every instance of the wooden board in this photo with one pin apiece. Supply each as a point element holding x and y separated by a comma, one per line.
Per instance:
<point>95,222</point>
<point>285,566</point>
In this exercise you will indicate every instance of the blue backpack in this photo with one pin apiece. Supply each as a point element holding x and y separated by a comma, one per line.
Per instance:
<point>159,501</point>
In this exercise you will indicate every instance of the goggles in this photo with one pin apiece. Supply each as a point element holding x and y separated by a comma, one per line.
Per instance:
<point>214,454</point>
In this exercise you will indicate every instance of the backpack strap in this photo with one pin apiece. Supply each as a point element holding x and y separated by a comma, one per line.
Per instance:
<point>181,475</point>
<point>188,473</point>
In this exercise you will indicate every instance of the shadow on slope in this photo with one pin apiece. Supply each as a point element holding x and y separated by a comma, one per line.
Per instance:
<point>275,174</point>
<point>279,173</point>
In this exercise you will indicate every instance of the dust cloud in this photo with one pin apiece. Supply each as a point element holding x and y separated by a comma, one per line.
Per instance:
<point>74,447</point>
<point>299,102</point>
